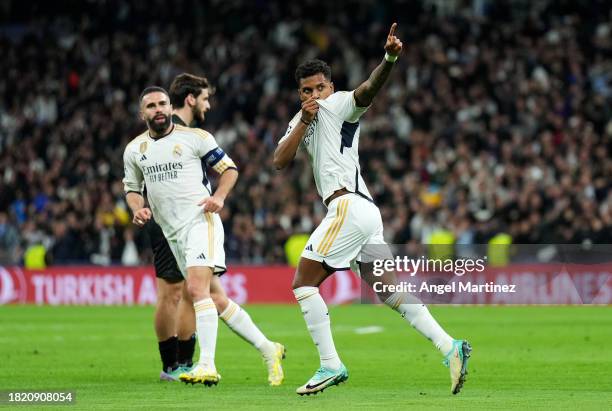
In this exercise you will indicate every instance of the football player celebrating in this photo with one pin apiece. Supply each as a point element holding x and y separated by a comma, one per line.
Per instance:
<point>328,128</point>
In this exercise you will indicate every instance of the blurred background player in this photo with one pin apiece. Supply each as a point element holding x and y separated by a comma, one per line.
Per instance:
<point>328,128</point>
<point>168,157</point>
<point>189,95</point>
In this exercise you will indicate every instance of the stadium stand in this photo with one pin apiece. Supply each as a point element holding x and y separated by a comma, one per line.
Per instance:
<point>493,122</point>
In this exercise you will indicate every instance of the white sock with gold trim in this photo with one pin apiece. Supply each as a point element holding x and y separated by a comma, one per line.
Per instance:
<point>316,316</point>
<point>418,316</point>
<point>240,322</point>
<point>206,327</point>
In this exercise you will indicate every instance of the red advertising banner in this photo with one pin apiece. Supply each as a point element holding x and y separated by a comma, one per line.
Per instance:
<point>95,285</point>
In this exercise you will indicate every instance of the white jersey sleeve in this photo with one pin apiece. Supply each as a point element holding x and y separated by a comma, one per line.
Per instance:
<point>211,154</point>
<point>133,179</point>
<point>292,125</point>
<point>343,104</point>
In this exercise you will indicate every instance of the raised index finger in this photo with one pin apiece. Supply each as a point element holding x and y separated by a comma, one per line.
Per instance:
<point>392,31</point>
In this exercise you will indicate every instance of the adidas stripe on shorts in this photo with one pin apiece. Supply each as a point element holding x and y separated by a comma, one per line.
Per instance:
<point>200,244</point>
<point>351,222</point>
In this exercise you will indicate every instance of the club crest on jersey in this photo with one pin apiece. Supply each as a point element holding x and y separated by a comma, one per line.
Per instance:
<point>143,147</point>
<point>177,151</point>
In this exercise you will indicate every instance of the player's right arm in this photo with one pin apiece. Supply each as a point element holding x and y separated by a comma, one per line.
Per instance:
<point>133,184</point>
<point>288,145</point>
<point>136,203</point>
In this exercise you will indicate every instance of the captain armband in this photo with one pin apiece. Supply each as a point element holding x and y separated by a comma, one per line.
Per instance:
<point>218,160</point>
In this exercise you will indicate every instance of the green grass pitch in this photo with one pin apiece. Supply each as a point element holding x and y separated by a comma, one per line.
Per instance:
<point>523,358</point>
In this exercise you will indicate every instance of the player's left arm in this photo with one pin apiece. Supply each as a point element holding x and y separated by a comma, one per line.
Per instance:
<point>365,93</point>
<point>227,181</point>
<point>221,163</point>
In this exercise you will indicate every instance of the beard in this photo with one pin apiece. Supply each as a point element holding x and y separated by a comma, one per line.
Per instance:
<point>159,127</point>
<point>198,116</point>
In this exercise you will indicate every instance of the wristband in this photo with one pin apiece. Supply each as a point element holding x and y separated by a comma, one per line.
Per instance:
<point>389,58</point>
<point>304,121</point>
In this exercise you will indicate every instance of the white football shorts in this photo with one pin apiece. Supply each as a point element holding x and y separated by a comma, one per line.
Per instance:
<point>352,223</point>
<point>200,245</point>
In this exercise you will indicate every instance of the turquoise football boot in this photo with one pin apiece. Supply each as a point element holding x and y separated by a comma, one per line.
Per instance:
<point>457,360</point>
<point>322,379</point>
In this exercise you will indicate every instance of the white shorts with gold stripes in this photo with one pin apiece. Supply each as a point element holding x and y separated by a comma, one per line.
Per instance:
<point>200,245</point>
<point>351,223</point>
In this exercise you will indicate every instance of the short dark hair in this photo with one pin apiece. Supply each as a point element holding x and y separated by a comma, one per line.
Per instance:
<point>184,85</point>
<point>151,89</point>
<point>312,67</point>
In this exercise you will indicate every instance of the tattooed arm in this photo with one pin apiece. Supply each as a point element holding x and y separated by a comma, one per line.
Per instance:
<point>365,93</point>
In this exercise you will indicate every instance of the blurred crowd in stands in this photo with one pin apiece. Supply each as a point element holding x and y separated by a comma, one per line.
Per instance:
<point>496,119</point>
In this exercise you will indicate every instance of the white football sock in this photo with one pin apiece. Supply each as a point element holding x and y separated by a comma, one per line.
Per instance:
<point>240,322</point>
<point>418,316</point>
<point>206,327</point>
<point>317,320</point>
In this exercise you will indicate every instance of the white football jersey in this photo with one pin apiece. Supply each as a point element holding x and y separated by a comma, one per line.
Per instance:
<point>172,169</point>
<point>332,143</point>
